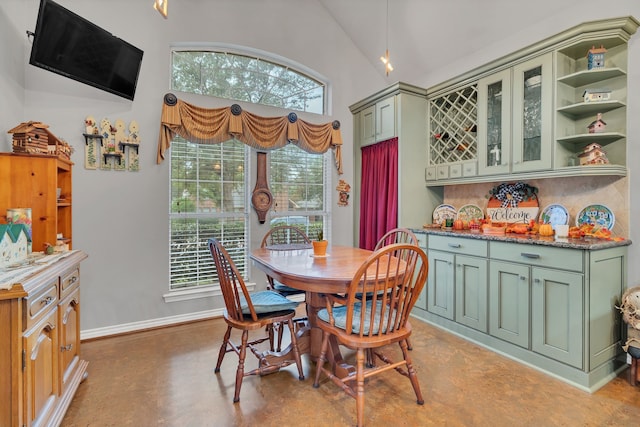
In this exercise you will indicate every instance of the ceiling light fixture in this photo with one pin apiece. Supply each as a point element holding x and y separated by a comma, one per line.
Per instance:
<point>385,59</point>
<point>162,7</point>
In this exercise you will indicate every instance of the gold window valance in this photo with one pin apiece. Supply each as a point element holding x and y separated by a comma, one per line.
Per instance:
<point>215,125</point>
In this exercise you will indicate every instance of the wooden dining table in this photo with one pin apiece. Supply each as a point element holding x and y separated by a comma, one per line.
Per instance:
<point>316,275</point>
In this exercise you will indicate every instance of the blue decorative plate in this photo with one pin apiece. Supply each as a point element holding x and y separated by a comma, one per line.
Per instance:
<point>598,215</point>
<point>554,214</point>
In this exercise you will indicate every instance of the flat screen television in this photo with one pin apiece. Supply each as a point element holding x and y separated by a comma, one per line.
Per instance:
<point>69,45</point>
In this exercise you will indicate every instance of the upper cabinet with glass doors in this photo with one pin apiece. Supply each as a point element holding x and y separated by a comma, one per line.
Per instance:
<point>542,112</point>
<point>515,112</point>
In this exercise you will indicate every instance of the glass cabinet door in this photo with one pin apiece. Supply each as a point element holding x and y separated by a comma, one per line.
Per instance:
<point>532,114</point>
<point>494,123</point>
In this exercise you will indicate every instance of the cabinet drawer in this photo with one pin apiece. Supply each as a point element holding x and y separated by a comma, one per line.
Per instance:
<point>470,169</point>
<point>69,281</point>
<point>458,245</point>
<point>443,171</point>
<point>455,171</point>
<point>430,173</point>
<point>38,304</point>
<point>542,256</point>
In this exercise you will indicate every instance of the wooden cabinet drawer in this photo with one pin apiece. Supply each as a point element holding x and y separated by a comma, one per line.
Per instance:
<point>40,303</point>
<point>455,171</point>
<point>458,245</point>
<point>431,173</point>
<point>541,256</point>
<point>69,281</point>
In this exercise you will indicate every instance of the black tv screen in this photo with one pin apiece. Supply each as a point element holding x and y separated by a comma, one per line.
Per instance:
<point>70,45</point>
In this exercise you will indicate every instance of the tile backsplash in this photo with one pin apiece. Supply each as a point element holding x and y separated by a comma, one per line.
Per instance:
<point>574,193</point>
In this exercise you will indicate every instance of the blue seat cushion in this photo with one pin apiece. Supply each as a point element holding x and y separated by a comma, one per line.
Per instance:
<point>281,287</point>
<point>340,317</point>
<point>267,302</point>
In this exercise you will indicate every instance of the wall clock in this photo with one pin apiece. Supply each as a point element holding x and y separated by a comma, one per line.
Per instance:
<point>261,199</point>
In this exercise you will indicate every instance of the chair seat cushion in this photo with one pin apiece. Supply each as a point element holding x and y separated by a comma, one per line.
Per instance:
<point>340,317</point>
<point>267,302</point>
<point>287,290</point>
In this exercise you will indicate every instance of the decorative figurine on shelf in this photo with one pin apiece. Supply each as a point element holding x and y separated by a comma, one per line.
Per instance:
<point>90,127</point>
<point>593,154</point>
<point>596,95</point>
<point>598,125</point>
<point>495,156</point>
<point>595,58</point>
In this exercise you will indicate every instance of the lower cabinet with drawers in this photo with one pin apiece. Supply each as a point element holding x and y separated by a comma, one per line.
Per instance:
<point>550,307</point>
<point>40,319</point>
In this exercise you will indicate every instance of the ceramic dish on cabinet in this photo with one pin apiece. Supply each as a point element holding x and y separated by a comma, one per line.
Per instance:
<point>599,215</point>
<point>554,214</point>
<point>443,212</point>
<point>469,212</point>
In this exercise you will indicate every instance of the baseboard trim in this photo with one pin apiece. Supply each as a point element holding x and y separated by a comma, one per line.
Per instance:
<point>126,328</point>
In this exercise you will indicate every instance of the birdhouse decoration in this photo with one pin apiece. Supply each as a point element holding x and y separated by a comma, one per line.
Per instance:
<point>598,125</point>
<point>30,138</point>
<point>593,154</point>
<point>595,57</point>
<point>35,138</point>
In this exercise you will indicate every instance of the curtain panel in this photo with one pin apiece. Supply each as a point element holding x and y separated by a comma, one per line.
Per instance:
<point>216,125</point>
<point>379,191</point>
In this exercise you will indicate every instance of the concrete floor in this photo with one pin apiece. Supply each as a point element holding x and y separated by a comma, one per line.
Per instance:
<point>165,377</point>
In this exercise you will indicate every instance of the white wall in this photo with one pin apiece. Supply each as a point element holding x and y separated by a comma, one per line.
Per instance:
<point>121,218</point>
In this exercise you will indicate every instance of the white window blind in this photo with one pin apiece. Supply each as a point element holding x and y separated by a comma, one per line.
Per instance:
<point>297,181</point>
<point>208,199</point>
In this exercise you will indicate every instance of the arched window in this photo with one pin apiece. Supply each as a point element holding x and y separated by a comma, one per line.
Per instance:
<point>257,79</point>
<point>209,188</point>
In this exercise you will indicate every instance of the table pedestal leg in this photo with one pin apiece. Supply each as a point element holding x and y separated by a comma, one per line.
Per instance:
<point>340,367</point>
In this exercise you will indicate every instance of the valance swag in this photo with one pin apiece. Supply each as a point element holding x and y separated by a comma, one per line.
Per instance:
<point>216,125</point>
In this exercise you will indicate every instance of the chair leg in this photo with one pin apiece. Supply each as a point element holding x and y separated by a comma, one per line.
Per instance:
<point>360,386</point>
<point>270,334</point>
<point>296,351</point>
<point>240,371</point>
<point>280,333</point>
<point>412,373</point>
<point>321,359</point>
<point>223,349</point>
<point>633,374</point>
<point>409,346</point>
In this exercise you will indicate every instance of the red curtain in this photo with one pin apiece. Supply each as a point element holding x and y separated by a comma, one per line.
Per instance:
<point>379,191</point>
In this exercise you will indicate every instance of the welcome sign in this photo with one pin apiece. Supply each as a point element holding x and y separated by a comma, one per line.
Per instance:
<point>513,203</point>
<point>511,215</point>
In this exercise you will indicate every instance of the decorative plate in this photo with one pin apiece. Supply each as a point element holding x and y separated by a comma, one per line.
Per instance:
<point>596,215</point>
<point>443,212</point>
<point>469,212</point>
<point>554,214</point>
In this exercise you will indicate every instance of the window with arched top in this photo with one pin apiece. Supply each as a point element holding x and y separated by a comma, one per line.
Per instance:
<point>210,191</point>
<point>256,79</point>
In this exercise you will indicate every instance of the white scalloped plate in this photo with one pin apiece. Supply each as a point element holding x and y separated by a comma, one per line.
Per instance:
<point>554,214</point>
<point>469,212</point>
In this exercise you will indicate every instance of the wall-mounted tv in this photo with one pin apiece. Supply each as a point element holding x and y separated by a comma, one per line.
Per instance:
<point>70,45</point>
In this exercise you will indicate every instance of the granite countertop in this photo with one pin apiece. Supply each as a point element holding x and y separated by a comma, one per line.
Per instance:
<point>583,243</point>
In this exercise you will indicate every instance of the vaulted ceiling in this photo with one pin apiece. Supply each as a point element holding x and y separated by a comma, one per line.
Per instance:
<point>424,34</point>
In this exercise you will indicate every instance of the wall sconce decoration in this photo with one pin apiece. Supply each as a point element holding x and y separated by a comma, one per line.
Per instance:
<point>343,193</point>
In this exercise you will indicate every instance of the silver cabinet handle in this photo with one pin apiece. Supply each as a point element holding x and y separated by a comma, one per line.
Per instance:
<point>528,255</point>
<point>455,245</point>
